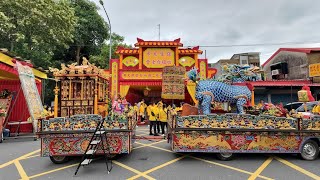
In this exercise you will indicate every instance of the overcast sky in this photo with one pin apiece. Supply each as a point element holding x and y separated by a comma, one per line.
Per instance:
<point>219,22</point>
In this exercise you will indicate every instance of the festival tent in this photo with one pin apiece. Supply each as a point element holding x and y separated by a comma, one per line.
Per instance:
<point>17,110</point>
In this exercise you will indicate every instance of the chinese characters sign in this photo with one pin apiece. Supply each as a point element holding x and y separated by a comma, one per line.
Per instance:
<point>114,87</point>
<point>30,91</point>
<point>173,86</point>
<point>186,61</point>
<point>314,70</point>
<point>158,57</point>
<point>130,61</point>
<point>203,70</point>
<point>140,75</point>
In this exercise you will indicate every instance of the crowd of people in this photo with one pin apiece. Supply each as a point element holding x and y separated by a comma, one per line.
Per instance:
<point>156,113</point>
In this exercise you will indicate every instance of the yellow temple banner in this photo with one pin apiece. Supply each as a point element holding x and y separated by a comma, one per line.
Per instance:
<point>130,61</point>
<point>140,75</point>
<point>314,70</point>
<point>191,87</point>
<point>114,87</point>
<point>173,82</point>
<point>158,57</point>
<point>124,89</point>
<point>203,71</point>
<point>186,61</point>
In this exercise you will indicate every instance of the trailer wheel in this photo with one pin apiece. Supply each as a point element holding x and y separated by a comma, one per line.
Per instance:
<point>310,150</point>
<point>59,159</point>
<point>225,156</point>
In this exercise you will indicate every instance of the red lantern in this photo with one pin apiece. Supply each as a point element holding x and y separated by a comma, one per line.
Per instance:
<point>146,91</point>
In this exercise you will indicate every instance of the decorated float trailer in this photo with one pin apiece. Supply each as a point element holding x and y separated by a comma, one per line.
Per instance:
<point>231,133</point>
<point>81,103</point>
<point>243,133</point>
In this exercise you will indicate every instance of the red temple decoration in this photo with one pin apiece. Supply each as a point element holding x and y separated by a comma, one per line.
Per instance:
<point>142,66</point>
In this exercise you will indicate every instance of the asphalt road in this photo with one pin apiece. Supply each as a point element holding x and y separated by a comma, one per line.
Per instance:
<point>153,160</point>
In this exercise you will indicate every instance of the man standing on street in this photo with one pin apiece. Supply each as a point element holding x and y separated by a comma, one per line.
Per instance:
<point>154,113</point>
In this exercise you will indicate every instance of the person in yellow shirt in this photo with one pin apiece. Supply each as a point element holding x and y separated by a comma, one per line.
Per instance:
<point>153,118</point>
<point>136,109</point>
<point>316,109</point>
<point>261,104</point>
<point>142,109</point>
<point>162,117</point>
<point>148,109</point>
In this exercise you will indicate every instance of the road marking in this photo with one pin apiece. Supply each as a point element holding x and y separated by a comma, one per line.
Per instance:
<point>54,170</point>
<point>229,167</point>
<point>211,162</point>
<point>19,158</point>
<point>151,145</point>
<point>310,174</point>
<point>145,145</point>
<point>143,134</point>
<point>38,155</point>
<point>21,171</point>
<point>260,169</point>
<point>142,130</point>
<point>157,167</point>
<point>133,170</point>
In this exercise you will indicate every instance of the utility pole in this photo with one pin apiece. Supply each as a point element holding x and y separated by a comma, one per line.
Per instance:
<point>110,35</point>
<point>159,31</point>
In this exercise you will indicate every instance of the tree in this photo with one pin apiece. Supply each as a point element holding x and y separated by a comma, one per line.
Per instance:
<point>102,59</point>
<point>91,29</point>
<point>34,29</point>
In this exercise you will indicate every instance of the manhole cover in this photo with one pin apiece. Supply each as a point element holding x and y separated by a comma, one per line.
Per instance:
<point>143,158</point>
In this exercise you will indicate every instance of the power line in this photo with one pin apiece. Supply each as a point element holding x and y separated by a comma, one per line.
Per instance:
<point>235,45</point>
<point>259,44</point>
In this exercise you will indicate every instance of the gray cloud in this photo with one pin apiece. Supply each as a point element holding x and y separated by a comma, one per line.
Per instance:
<point>217,22</point>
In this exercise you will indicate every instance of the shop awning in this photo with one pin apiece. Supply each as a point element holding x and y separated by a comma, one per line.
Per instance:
<point>284,83</point>
<point>7,64</point>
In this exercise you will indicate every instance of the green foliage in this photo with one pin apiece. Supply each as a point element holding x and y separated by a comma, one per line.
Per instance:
<point>91,29</point>
<point>102,59</point>
<point>51,32</point>
<point>36,28</point>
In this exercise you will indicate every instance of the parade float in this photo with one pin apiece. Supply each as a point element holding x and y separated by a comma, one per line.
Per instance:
<point>81,103</point>
<point>230,133</point>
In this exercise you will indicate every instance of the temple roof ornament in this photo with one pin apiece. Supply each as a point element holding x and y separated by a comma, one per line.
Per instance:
<point>79,70</point>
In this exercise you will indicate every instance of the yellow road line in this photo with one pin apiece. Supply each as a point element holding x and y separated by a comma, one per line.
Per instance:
<point>143,134</point>
<point>141,130</point>
<point>157,167</point>
<point>310,174</point>
<point>38,155</point>
<point>133,170</point>
<point>21,171</point>
<point>211,162</point>
<point>151,145</point>
<point>51,171</point>
<point>146,145</point>
<point>260,169</point>
<point>229,167</point>
<point>19,158</point>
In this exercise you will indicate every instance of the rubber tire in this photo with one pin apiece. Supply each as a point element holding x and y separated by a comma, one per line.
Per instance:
<point>316,147</point>
<point>225,158</point>
<point>59,161</point>
<point>1,137</point>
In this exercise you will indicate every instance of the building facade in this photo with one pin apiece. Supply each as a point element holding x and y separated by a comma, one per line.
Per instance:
<point>137,74</point>
<point>292,64</point>
<point>286,71</point>
<point>250,58</point>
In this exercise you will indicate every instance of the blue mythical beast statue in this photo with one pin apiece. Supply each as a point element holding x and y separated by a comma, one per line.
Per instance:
<point>224,89</point>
